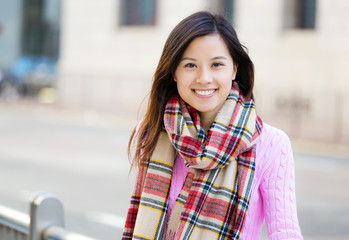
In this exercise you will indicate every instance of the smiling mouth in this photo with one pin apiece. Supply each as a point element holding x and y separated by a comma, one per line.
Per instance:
<point>204,92</point>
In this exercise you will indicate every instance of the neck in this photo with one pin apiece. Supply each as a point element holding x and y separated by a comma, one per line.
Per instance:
<point>207,120</point>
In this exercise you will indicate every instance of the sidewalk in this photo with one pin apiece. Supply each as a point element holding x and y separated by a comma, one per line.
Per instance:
<point>68,114</point>
<point>97,118</point>
<point>318,148</point>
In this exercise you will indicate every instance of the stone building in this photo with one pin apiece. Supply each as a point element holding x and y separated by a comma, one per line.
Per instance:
<point>300,49</point>
<point>109,50</point>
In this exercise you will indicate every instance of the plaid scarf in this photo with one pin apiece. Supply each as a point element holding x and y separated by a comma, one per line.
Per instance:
<point>215,196</point>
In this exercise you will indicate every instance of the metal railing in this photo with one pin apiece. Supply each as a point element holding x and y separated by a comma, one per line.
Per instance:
<point>45,222</point>
<point>13,224</point>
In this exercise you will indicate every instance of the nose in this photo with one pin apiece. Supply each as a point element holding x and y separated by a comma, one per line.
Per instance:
<point>204,76</point>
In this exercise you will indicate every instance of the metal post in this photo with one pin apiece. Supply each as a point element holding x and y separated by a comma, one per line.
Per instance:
<point>45,210</point>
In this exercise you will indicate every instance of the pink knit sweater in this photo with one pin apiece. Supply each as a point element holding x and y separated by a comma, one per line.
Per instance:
<point>273,189</point>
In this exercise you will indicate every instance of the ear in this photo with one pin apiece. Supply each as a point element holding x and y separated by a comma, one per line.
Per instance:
<point>235,71</point>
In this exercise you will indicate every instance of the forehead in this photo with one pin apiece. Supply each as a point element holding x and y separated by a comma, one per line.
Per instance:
<point>209,44</point>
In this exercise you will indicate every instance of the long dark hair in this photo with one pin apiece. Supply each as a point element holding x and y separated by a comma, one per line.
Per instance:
<point>196,25</point>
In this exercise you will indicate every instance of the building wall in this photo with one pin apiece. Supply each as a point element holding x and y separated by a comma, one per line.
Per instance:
<point>301,75</point>
<point>105,65</point>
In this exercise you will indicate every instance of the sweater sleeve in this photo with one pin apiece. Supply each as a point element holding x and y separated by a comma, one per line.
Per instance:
<point>278,191</point>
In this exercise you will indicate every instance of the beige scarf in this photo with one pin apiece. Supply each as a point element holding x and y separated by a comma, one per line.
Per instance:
<point>214,199</point>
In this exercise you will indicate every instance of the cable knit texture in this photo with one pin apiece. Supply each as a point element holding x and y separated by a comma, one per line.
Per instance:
<point>273,189</point>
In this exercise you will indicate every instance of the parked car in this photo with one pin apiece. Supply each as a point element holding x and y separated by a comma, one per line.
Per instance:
<point>32,73</point>
<point>8,86</point>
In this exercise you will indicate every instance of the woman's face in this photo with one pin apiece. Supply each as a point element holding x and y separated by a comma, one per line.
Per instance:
<point>205,74</point>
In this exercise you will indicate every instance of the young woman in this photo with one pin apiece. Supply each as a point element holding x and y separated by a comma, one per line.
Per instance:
<point>208,167</point>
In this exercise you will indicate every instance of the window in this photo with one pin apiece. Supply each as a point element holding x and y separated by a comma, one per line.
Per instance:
<point>308,14</point>
<point>138,12</point>
<point>225,7</point>
<point>300,14</point>
<point>40,27</point>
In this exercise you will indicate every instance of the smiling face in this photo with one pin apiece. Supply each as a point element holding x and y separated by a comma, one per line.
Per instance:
<point>205,74</point>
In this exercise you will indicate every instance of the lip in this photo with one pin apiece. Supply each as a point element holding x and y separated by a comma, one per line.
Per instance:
<point>204,93</point>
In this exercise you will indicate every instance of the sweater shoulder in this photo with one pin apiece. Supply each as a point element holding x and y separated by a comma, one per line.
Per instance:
<point>271,145</point>
<point>271,136</point>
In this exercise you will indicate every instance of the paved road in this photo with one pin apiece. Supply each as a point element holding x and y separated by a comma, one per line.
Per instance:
<point>86,166</point>
<point>323,196</point>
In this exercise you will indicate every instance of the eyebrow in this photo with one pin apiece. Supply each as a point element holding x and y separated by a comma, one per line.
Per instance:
<point>188,58</point>
<point>193,59</point>
<point>219,57</point>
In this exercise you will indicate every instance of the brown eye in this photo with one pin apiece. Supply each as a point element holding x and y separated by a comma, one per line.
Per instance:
<point>217,65</point>
<point>190,65</point>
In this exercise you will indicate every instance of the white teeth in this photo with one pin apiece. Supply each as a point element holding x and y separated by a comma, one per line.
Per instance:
<point>205,92</point>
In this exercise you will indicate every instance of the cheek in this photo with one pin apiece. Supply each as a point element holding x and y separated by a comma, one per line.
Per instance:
<point>182,80</point>
<point>227,86</point>
<point>182,88</point>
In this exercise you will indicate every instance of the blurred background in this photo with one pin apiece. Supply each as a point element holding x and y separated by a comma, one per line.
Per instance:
<point>74,79</point>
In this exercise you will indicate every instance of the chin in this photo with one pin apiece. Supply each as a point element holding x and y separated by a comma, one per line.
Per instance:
<point>205,110</point>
